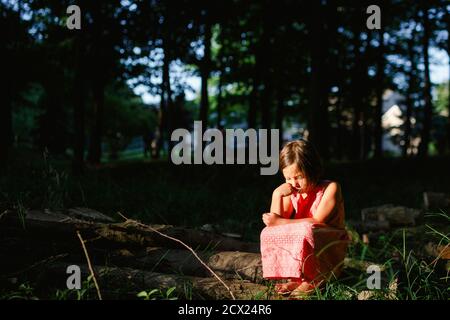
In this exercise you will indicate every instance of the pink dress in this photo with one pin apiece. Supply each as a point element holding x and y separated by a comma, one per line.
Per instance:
<point>305,250</point>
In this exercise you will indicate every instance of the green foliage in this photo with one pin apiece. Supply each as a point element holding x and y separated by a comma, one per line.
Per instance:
<point>420,279</point>
<point>127,114</point>
<point>126,117</point>
<point>158,294</point>
<point>23,292</point>
<point>26,114</point>
<point>86,292</point>
<point>442,98</point>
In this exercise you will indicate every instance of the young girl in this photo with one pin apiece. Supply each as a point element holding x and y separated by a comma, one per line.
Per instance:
<point>304,239</point>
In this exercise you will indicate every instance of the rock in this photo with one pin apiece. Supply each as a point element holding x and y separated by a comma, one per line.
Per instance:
<point>396,216</point>
<point>360,265</point>
<point>88,214</point>
<point>372,212</point>
<point>208,228</point>
<point>369,225</point>
<point>435,200</point>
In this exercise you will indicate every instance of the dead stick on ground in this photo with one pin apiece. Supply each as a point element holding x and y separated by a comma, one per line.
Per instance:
<point>89,265</point>
<point>186,246</point>
<point>34,265</point>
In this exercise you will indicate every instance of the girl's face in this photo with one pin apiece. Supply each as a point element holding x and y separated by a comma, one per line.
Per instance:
<point>295,177</point>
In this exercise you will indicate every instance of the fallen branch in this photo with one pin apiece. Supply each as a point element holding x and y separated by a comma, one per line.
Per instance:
<point>133,281</point>
<point>186,246</point>
<point>90,266</point>
<point>49,226</point>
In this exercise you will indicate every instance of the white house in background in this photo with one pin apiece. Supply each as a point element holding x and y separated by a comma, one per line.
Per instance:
<point>393,119</point>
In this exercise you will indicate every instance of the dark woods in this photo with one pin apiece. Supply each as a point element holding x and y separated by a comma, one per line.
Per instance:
<point>310,65</point>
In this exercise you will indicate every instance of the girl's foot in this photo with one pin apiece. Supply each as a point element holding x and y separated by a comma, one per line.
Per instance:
<point>287,288</point>
<point>304,289</point>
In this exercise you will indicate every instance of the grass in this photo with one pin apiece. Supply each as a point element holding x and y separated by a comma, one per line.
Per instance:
<point>232,198</point>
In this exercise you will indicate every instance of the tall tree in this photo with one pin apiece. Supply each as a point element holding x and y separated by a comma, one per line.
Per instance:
<point>100,52</point>
<point>205,68</point>
<point>428,108</point>
<point>79,98</point>
<point>378,134</point>
<point>269,17</point>
<point>318,125</point>
<point>106,34</point>
<point>15,47</point>
<point>412,88</point>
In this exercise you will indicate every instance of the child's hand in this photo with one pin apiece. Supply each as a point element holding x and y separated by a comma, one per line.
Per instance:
<point>270,219</point>
<point>285,190</point>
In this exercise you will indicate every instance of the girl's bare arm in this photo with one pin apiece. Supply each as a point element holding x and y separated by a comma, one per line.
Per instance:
<point>280,205</point>
<point>331,198</point>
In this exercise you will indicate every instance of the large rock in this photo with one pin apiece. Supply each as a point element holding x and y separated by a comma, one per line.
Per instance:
<point>397,216</point>
<point>436,200</point>
<point>369,225</point>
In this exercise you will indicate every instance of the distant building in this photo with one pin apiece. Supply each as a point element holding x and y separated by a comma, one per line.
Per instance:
<point>393,124</point>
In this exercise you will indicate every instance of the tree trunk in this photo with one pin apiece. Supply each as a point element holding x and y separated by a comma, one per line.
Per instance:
<point>112,278</point>
<point>220,101</point>
<point>339,128</point>
<point>280,113</point>
<point>98,87</point>
<point>79,108</point>
<point>230,264</point>
<point>253,100</point>
<point>318,123</point>
<point>61,228</point>
<point>6,134</point>
<point>165,125</point>
<point>428,109</point>
<point>205,67</point>
<point>255,94</point>
<point>51,124</point>
<point>157,142</point>
<point>266,103</point>
<point>266,53</point>
<point>48,243</point>
<point>448,53</point>
<point>379,91</point>
<point>356,98</point>
<point>95,147</point>
<point>409,97</point>
<point>168,94</point>
<point>366,129</point>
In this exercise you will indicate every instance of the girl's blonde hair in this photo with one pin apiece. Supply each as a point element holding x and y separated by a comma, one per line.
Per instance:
<point>306,157</point>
